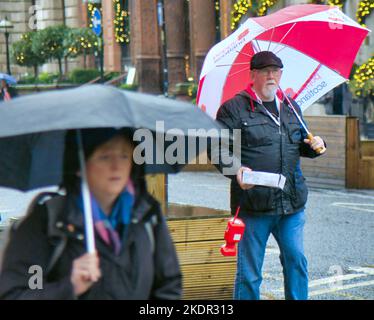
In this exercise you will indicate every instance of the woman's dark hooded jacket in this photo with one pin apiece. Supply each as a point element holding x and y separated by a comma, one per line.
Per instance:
<point>146,268</point>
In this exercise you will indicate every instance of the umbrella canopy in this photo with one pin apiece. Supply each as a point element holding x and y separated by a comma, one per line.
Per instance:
<point>8,78</point>
<point>32,134</point>
<point>316,43</point>
<point>33,129</point>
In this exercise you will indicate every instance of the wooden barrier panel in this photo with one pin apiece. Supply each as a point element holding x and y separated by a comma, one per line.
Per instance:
<point>201,252</point>
<point>206,273</point>
<point>353,153</point>
<point>157,187</point>
<point>208,281</point>
<point>367,148</point>
<point>197,229</point>
<point>329,170</point>
<point>366,173</point>
<point>360,158</point>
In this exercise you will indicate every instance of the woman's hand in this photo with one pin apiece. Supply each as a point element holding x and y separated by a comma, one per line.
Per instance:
<point>85,272</point>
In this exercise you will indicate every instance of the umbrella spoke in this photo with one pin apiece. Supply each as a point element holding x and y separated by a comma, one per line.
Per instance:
<point>245,54</point>
<point>233,74</point>
<point>232,64</point>
<point>271,39</point>
<point>258,49</point>
<point>308,80</point>
<point>284,36</point>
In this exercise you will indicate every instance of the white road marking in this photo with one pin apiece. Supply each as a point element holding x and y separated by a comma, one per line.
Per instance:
<point>363,272</point>
<point>369,271</point>
<point>272,251</point>
<point>345,287</point>
<point>329,193</point>
<point>354,206</point>
<point>333,279</point>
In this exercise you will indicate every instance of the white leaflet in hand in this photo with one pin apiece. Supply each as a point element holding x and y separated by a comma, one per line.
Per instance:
<point>267,179</point>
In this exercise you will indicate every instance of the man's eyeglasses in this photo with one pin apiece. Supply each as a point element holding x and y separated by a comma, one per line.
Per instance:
<point>269,70</point>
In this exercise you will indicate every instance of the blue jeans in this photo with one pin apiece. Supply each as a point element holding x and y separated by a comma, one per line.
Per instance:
<point>288,232</point>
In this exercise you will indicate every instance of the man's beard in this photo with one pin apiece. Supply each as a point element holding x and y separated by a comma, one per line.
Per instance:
<point>269,92</point>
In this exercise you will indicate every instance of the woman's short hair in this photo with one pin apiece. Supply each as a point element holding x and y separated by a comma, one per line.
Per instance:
<point>91,140</point>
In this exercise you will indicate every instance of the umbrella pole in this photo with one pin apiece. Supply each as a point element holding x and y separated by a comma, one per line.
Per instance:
<point>88,221</point>
<point>309,134</point>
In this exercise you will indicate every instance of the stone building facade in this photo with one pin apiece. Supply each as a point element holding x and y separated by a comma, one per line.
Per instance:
<point>192,28</point>
<point>28,15</point>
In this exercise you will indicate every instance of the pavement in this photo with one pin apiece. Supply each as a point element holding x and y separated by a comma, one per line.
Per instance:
<point>339,234</point>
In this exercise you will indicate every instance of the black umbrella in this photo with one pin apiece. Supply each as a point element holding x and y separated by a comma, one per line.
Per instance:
<point>33,128</point>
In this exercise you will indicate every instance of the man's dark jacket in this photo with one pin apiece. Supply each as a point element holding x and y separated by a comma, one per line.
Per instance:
<point>267,147</point>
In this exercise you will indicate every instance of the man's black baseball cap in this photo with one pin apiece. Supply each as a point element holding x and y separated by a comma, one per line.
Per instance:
<point>265,59</point>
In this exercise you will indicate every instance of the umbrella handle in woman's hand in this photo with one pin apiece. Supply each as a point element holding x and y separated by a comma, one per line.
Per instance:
<point>85,272</point>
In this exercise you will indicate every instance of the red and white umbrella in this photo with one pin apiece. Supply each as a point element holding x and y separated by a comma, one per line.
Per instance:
<point>317,44</point>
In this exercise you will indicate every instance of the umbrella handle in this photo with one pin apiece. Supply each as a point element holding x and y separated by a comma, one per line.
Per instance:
<point>310,137</point>
<point>87,208</point>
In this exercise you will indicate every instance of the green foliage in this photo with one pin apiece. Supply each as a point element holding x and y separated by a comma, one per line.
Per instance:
<point>81,76</point>
<point>111,75</point>
<point>48,43</point>
<point>80,41</point>
<point>187,89</point>
<point>47,78</point>
<point>362,90</point>
<point>355,66</point>
<point>192,90</point>
<point>43,78</point>
<point>129,87</point>
<point>362,79</point>
<point>182,88</point>
<point>27,80</point>
<point>22,53</point>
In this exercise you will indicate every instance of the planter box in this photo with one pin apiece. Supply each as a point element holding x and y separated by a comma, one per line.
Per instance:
<point>197,233</point>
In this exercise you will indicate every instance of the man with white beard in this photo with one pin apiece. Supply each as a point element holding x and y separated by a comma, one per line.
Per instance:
<point>272,140</point>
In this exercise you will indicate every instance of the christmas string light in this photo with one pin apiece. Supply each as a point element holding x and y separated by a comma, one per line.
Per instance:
<point>264,5</point>
<point>121,23</point>
<point>365,8</point>
<point>363,79</point>
<point>336,3</point>
<point>91,10</point>
<point>241,7</point>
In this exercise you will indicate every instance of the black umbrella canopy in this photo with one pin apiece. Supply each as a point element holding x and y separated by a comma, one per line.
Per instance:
<point>31,161</point>
<point>95,106</point>
<point>33,129</point>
